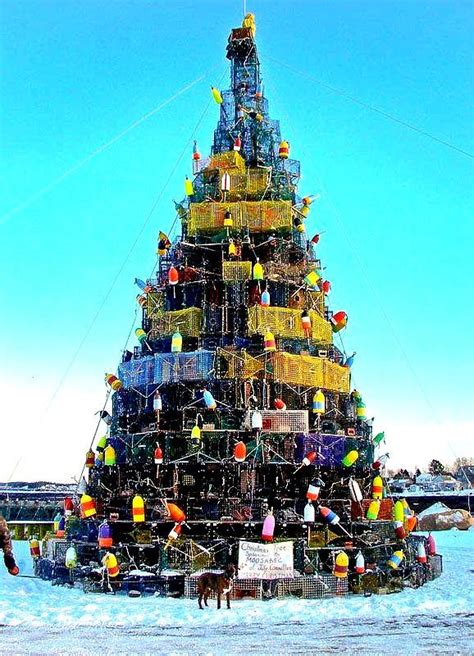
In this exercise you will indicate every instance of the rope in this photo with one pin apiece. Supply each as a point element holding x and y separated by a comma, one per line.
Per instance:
<point>54,183</point>
<point>381,112</point>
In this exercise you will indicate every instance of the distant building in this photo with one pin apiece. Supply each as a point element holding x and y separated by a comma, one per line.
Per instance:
<point>446,482</point>
<point>465,475</point>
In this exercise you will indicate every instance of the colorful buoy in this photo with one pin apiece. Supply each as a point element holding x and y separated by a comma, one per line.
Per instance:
<point>110,458</point>
<point>398,512</point>
<point>237,144</point>
<point>306,323</point>
<point>341,565</point>
<point>309,458</point>
<point>105,536</point>
<point>35,550</point>
<point>268,527</point>
<point>328,515</point>
<point>399,529</point>
<point>377,488</point>
<point>109,561</point>
<point>326,287</point>
<point>70,559</point>
<point>373,509</point>
<point>138,509</point>
<point>87,506</point>
<point>395,559</point>
<point>421,556</point>
<point>279,404</point>
<point>319,403</point>
<point>359,563</point>
<point>209,400</point>
<point>216,94</point>
<point>240,452</point>
<point>338,321</point>
<point>309,512</point>
<point>113,382</point>
<point>175,513</point>
<point>284,150</point>
<point>269,343</point>
<point>258,271</point>
<point>158,455</point>
<point>68,506</point>
<point>141,335</point>
<point>176,342</point>
<point>350,458</point>
<point>265,298</point>
<point>312,493</point>
<point>173,275</point>
<point>188,187</point>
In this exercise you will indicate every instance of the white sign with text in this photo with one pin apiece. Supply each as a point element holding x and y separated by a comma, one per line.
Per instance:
<point>266,561</point>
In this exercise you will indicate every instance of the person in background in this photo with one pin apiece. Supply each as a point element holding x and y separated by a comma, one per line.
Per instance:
<point>6,546</point>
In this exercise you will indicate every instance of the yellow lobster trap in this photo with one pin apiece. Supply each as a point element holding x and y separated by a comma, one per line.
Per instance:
<point>239,364</point>
<point>309,371</point>
<point>257,216</point>
<point>155,305</point>
<point>285,322</point>
<point>189,322</point>
<point>227,161</point>
<point>253,183</point>
<point>236,271</point>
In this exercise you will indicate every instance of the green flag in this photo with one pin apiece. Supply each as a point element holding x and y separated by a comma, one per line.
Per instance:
<point>379,438</point>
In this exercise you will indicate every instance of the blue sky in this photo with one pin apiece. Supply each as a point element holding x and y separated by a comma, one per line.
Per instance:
<point>396,206</point>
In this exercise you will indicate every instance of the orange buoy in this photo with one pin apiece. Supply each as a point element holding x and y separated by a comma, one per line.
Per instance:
<point>240,452</point>
<point>87,506</point>
<point>113,382</point>
<point>284,150</point>
<point>90,459</point>
<point>377,488</point>
<point>105,536</point>
<point>158,456</point>
<point>175,513</point>
<point>35,550</point>
<point>173,275</point>
<point>269,343</point>
<point>138,508</point>
<point>109,561</point>
<point>341,565</point>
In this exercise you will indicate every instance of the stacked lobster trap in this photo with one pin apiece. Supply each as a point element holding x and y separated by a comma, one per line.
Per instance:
<point>234,433</point>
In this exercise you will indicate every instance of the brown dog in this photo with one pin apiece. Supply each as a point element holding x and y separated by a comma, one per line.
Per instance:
<point>218,583</point>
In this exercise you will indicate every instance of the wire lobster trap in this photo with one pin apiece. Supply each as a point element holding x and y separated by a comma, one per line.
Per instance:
<point>436,566</point>
<point>284,322</point>
<point>175,367</point>
<point>188,321</point>
<point>239,271</point>
<point>139,371</point>
<point>310,371</point>
<point>238,364</point>
<point>307,299</point>
<point>254,182</point>
<point>336,377</point>
<point>298,369</point>
<point>312,587</point>
<point>226,161</point>
<point>155,305</point>
<point>281,421</point>
<point>267,215</point>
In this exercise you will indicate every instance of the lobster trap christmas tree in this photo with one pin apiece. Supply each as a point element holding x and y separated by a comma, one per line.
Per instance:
<point>235,435</point>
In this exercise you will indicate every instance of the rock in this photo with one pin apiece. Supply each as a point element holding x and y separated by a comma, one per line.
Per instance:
<point>443,521</point>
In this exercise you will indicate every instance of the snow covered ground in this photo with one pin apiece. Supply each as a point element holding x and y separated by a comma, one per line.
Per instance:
<point>37,618</point>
